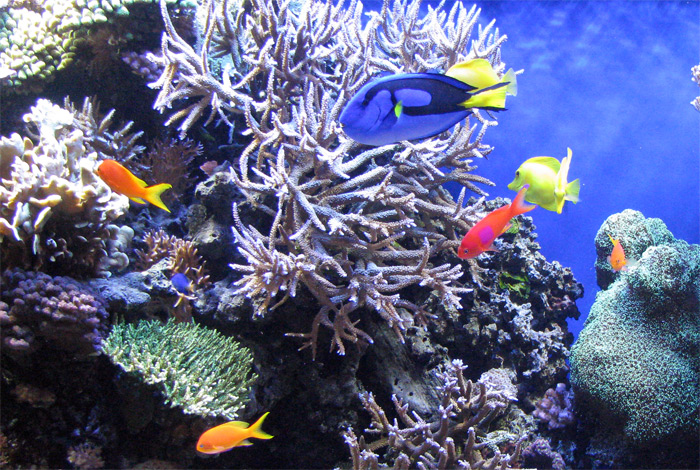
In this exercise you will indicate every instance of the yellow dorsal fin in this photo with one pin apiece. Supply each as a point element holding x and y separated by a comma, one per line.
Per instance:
<point>549,162</point>
<point>237,424</point>
<point>476,72</point>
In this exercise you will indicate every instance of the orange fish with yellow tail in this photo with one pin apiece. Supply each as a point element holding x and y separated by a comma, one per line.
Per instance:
<point>226,436</point>
<point>481,236</point>
<point>124,182</point>
<point>617,258</point>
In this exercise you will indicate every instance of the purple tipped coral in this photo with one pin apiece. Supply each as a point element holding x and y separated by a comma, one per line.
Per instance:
<point>556,408</point>
<point>38,310</point>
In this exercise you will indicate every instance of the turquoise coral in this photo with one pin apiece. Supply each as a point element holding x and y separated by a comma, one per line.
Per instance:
<point>196,368</point>
<point>636,361</point>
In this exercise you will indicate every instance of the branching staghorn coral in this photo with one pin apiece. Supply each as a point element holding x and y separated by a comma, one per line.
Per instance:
<point>196,368</point>
<point>451,440</point>
<point>354,225</point>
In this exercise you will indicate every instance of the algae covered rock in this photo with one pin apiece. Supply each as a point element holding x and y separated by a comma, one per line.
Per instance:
<point>636,364</point>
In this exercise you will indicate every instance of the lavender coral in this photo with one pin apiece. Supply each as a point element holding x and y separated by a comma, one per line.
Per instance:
<point>354,226</point>
<point>37,310</point>
<point>556,408</point>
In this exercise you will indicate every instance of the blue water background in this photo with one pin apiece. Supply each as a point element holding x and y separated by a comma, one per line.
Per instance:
<point>611,80</point>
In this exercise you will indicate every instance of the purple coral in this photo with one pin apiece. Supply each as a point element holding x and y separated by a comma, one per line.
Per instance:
<point>556,408</point>
<point>539,454</point>
<point>38,310</point>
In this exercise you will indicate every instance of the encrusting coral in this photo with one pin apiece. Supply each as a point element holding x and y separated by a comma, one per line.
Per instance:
<point>458,437</point>
<point>196,369</point>
<point>635,366</point>
<point>355,226</point>
<point>39,311</point>
<point>39,38</point>
<point>55,210</point>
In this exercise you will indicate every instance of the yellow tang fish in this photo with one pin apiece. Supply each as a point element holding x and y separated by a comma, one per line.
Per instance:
<point>548,182</point>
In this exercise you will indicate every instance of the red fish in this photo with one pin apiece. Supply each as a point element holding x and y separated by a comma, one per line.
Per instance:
<point>124,182</point>
<point>481,236</point>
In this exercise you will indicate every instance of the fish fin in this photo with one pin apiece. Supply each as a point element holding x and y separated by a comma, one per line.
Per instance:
<point>512,81</point>
<point>572,190</point>
<point>563,173</point>
<point>153,194</point>
<point>255,430</point>
<point>506,228</point>
<point>398,109</point>
<point>237,424</point>
<point>477,73</point>
<point>244,443</point>
<point>138,200</point>
<point>492,97</point>
<point>518,205</point>
<point>550,162</point>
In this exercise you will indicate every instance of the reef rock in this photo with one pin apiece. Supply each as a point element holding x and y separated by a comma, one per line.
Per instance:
<point>635,366</point>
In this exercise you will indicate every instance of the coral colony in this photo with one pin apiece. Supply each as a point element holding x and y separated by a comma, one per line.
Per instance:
<point>355,226</point>
<point>128,333</point>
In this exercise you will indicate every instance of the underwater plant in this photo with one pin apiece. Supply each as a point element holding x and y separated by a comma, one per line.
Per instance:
<point>195,368</point>
<point>354,226</point>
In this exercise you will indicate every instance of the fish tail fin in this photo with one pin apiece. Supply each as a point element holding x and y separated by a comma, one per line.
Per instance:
<point>255,430</point>
<point>572,190</point>
<point>492,97</point>
<point>512,81</point>
<point>152,194</point>
<point>518,205</point>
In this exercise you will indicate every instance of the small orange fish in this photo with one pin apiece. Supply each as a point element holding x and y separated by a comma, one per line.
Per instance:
<point>226,436</point>
<point>481,236</point>
<point>124,182</point>
<point>617,258</point>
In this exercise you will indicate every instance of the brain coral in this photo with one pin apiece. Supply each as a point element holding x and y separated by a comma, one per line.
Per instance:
<point>636,364</point>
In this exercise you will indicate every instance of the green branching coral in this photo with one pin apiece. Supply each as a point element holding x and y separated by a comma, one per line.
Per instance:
<point>37,38</point>
<point>196,369</point>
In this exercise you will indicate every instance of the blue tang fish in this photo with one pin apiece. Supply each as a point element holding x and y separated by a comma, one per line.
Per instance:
<point>181,283</point>
<point>420,105</point>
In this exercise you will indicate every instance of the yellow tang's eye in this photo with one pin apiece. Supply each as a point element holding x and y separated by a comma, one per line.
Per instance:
<point>517,173</point>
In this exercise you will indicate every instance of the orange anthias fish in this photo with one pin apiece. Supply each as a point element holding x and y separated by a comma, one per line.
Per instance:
<point>226,436</point>
<point>481,236</point>
<point>124,182</point>
<point>617,258</point>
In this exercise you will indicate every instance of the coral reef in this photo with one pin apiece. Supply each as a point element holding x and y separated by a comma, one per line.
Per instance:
<point>635,232</point>
<point>556,408</point>
<point>39,311</point>
<point>37,39</point>
<point>635,366</point>
<point>167,161</point>
<point>195,368</point>
<point>448,442</point>
<point>56,213</point>
<point>539,454</point>
<point>696,78</point>
<point>354,226</point>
